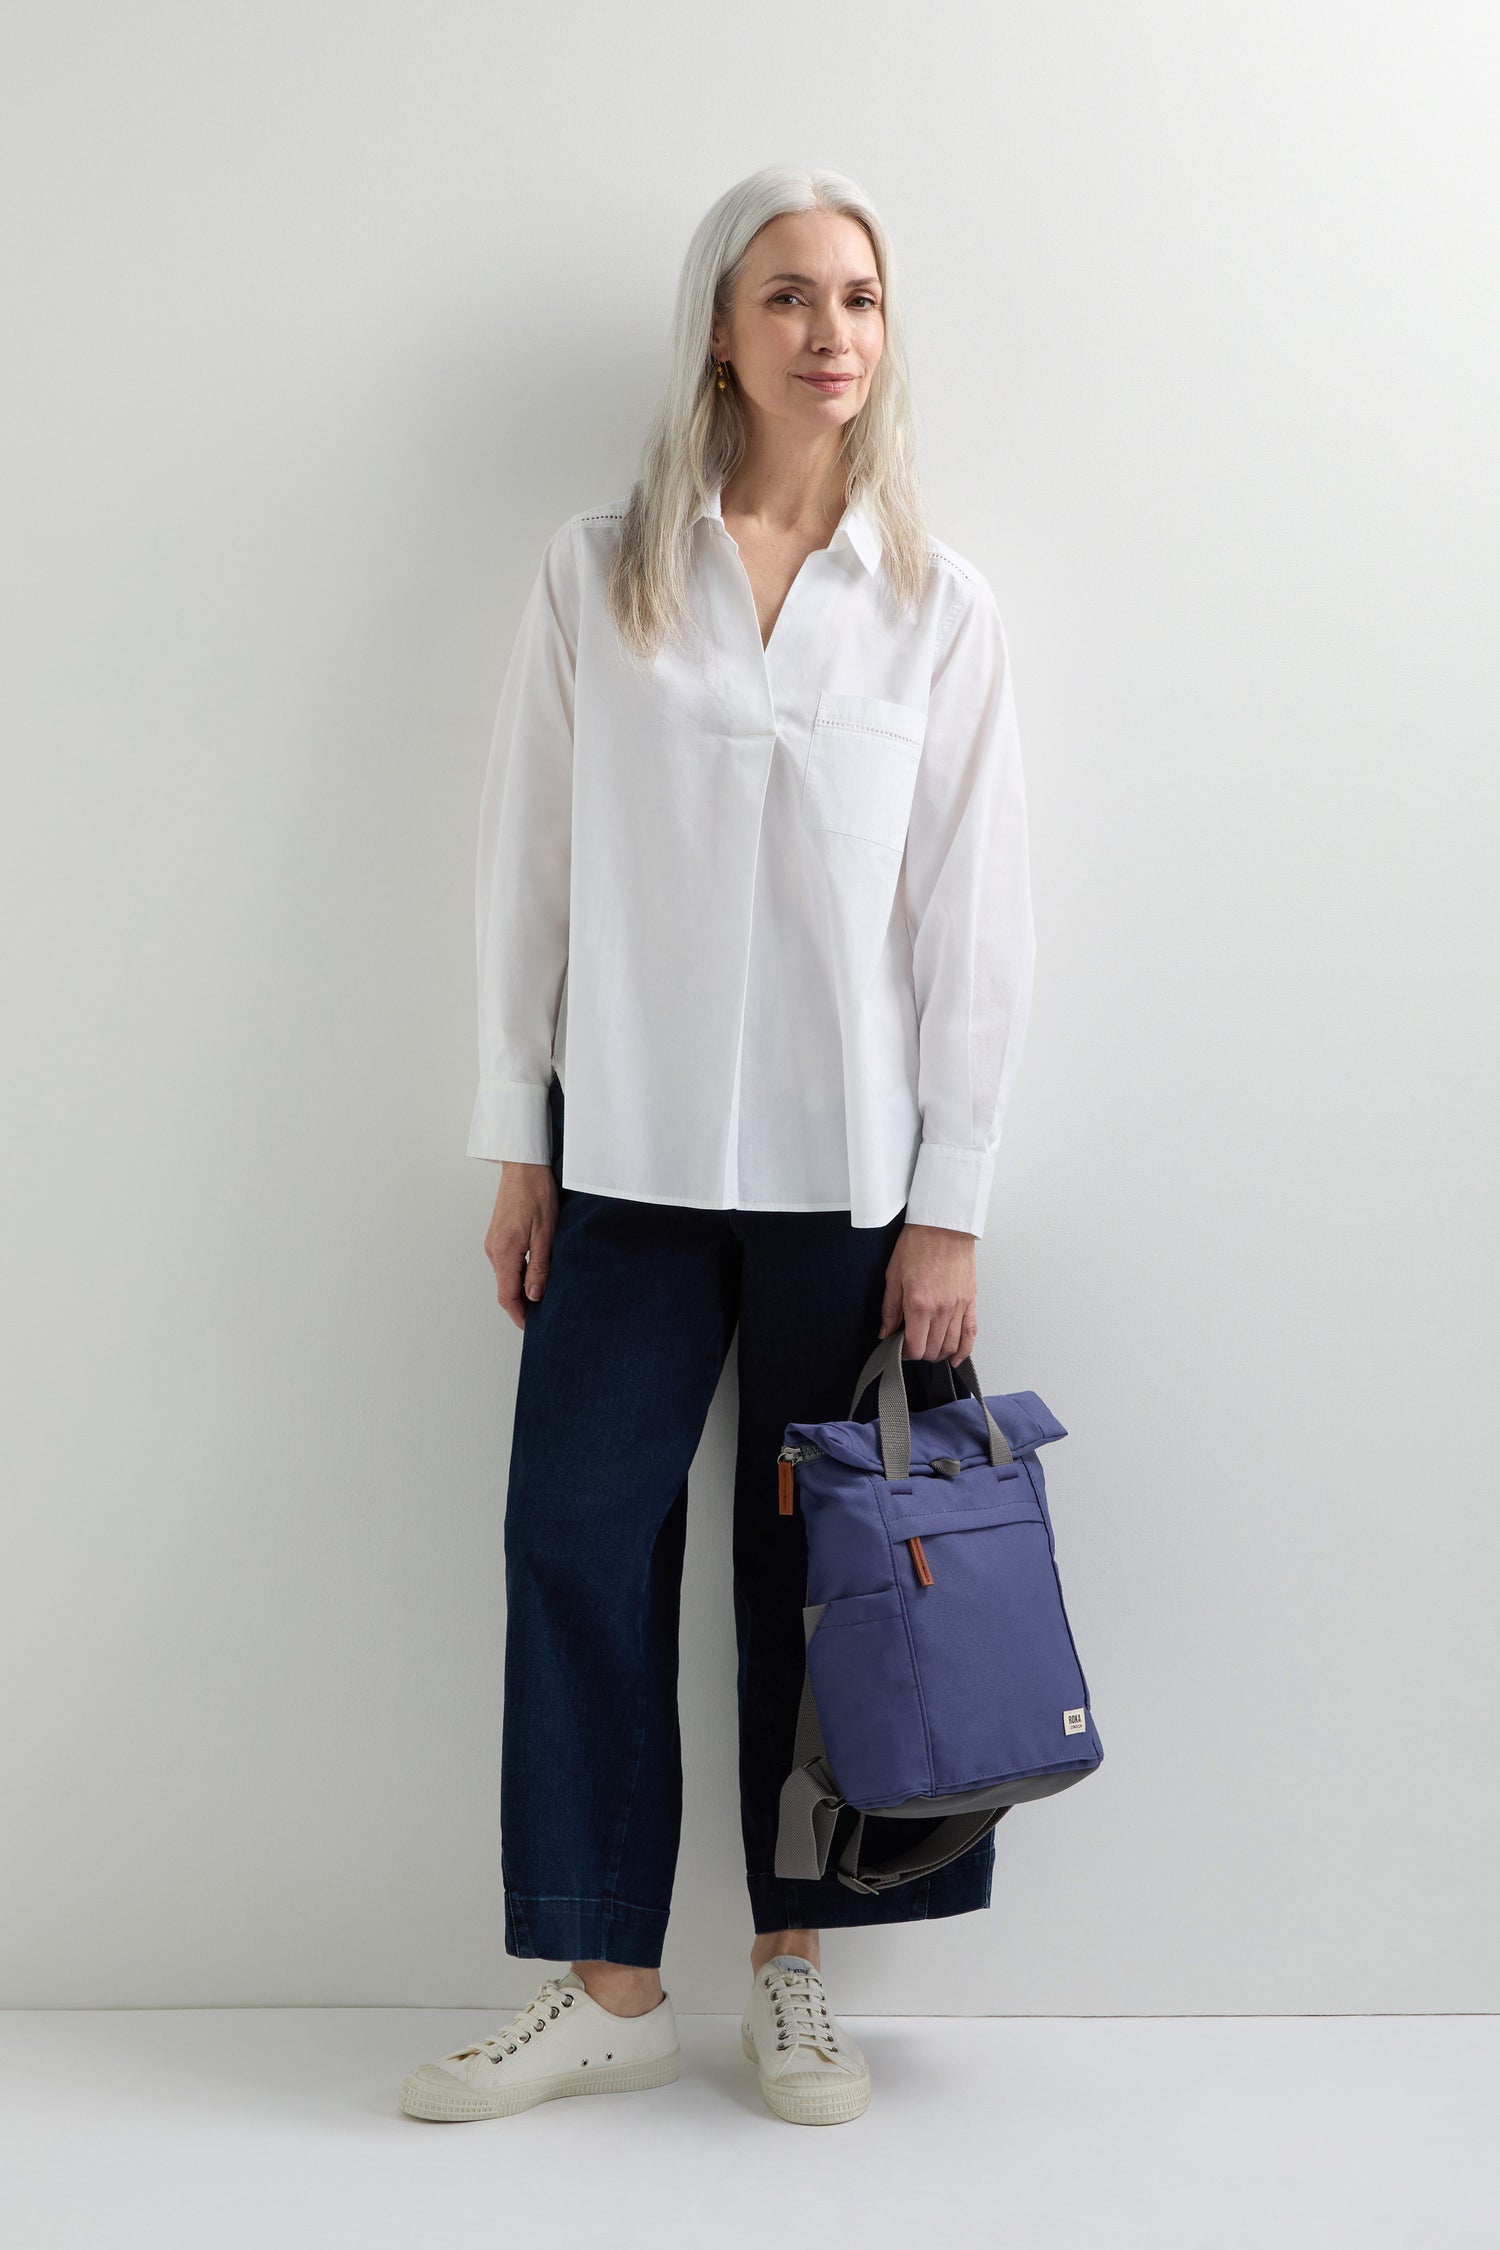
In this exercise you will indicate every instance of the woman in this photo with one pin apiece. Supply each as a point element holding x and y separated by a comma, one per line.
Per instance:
<point>753,887</point>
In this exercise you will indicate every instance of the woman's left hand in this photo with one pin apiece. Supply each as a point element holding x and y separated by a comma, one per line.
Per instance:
<point>932,1289</point>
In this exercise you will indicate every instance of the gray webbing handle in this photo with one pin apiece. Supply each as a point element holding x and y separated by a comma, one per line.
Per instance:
<point>895,1416</point>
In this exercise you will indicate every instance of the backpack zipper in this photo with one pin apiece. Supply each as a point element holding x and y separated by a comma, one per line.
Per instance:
<point>789,1456</point>
<point>786,1462</point>
<point>919,1560</point>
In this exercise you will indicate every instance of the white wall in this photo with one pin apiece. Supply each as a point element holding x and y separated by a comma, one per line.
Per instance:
<point>320,319</point>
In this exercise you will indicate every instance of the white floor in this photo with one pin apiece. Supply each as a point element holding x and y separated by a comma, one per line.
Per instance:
<point>271,2129</point>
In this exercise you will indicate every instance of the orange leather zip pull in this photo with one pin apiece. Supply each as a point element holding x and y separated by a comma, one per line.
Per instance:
<point>784,1486</point>
<point>924,1575</point>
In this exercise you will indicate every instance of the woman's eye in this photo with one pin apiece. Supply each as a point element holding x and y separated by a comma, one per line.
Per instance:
<point>782,295</point>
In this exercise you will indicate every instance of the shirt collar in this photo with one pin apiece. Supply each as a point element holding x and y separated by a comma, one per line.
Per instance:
<point>856,528</point>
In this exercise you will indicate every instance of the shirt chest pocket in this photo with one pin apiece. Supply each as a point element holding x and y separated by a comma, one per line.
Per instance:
<point>862,766</point>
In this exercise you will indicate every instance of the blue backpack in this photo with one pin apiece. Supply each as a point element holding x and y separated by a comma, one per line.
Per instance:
<point>942,1683</point>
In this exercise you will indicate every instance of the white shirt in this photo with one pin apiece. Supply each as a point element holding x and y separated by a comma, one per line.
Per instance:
<point>767,911</point>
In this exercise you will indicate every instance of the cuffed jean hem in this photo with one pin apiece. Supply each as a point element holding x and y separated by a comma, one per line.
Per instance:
<point>962,1887</point>
<point>584,1929</point>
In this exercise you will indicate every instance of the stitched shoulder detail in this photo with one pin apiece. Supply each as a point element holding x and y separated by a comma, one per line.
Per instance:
<point>942,556</point>
<point>601,515</point>
<point>967,589</point>
<point>956,565</point>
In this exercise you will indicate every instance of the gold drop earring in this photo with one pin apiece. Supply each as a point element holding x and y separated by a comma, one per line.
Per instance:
<point>720,364</point>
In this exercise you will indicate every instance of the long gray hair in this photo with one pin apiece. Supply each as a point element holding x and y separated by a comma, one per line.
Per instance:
<point>698,433</point>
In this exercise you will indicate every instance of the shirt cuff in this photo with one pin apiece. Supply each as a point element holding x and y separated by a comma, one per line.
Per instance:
<point>511,1123</point>
<point>950,1187</point>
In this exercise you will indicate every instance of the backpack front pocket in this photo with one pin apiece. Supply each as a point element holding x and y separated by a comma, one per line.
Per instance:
<point>859,1661</point>
<point>996,1660</point>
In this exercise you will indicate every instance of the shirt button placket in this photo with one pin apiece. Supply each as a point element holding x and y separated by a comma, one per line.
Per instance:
<point>758,689</point>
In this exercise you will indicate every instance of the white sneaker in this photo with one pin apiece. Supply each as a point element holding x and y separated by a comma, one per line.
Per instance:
<point>811,2071</point>
<point>561,2042</point>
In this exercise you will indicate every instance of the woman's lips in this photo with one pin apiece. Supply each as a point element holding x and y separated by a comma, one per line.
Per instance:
<point>827,382</point>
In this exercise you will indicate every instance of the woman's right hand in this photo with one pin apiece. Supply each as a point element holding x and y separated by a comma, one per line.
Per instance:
<point>519,1242</point>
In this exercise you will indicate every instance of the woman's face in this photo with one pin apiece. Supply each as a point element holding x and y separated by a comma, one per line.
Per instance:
<point>807,304</point>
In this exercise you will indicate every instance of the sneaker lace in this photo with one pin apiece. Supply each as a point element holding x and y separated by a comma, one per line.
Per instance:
<point>549,2000</point>
<point>801,2010</point>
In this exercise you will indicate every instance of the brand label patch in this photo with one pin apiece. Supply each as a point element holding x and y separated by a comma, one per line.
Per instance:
<point>1074,1722</point>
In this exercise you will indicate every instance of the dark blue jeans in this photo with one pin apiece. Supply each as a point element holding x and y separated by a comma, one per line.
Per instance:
<point>620,1359</point>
